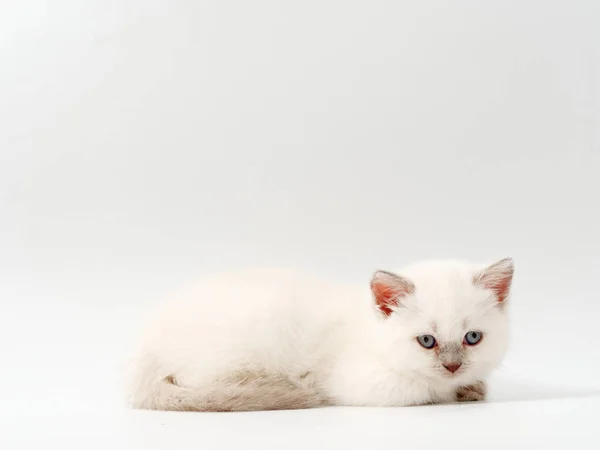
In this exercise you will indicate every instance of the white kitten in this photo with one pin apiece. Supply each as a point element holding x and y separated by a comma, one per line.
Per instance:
<point>279,340</point>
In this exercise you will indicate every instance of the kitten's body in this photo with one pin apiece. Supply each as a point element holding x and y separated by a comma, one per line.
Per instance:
<point>279,340</point>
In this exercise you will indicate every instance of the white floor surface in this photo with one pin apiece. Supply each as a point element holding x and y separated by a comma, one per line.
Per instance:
<point>63,391</point>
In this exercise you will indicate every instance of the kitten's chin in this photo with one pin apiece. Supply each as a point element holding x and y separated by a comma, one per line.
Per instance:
<point>447,378</point>
<point>458,378</point>
<point>461,377</point>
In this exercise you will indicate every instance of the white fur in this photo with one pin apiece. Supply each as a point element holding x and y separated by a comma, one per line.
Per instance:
<point>213,347</point>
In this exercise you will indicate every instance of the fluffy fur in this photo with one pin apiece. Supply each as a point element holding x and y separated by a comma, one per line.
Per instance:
<point>260,340</point>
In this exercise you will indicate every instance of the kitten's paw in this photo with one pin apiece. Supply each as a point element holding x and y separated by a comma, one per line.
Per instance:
<point>472,393</point>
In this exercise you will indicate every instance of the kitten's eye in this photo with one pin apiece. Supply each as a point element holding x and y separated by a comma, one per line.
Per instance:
<point>426,340</point>
<point>472,337</point>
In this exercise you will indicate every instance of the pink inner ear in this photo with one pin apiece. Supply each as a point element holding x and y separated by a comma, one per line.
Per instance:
<point>387,288</point>
<point>385,297</point>
<point>498,278</point>
<point>500,286</point>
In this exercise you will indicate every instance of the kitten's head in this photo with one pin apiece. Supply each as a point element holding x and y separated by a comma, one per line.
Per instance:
<point>445,320</point>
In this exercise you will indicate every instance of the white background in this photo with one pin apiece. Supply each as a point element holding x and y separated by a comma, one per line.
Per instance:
<point>143,142</point>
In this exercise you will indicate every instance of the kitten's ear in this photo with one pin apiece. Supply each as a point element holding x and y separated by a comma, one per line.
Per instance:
<point>388,289</point>
<point>498,278</point>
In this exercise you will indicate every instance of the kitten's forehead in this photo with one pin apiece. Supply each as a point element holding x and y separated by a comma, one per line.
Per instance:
<point>441,275</point>
<point>445,289</point>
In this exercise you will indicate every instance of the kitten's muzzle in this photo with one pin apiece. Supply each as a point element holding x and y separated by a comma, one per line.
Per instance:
<point>452,367</point>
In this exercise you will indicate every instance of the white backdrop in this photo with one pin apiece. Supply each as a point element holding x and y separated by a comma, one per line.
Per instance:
<point>145,142</point>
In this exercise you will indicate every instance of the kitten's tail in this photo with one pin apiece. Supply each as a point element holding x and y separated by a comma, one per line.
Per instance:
<point>248,392</point>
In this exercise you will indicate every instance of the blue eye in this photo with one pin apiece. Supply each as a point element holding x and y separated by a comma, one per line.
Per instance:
<point>472,337</point>
<point>426,340</point>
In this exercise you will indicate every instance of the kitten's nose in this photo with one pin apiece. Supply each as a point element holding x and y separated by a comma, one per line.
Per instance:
<point>452,367</point>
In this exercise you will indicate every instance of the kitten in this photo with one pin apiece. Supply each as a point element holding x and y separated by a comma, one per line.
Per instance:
<point>262,340</point>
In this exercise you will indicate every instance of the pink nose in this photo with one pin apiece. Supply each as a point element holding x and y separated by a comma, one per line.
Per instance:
<point>452,367</point>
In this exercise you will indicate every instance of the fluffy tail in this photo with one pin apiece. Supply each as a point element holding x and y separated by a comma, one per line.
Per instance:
<point>250,392</point>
